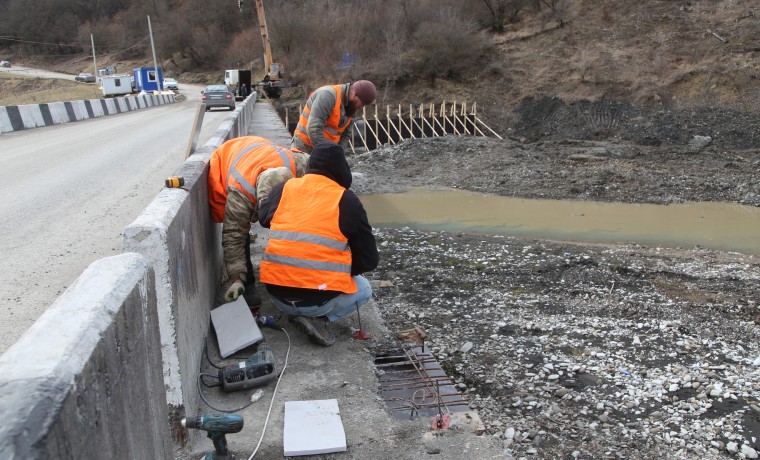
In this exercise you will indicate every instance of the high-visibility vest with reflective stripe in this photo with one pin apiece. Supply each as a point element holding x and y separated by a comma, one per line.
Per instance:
<point>238,163</point>
<point>333,130</point>
<point>306,248</point>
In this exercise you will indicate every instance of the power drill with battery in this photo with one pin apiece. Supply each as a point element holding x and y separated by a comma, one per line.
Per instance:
<point>216,426</point>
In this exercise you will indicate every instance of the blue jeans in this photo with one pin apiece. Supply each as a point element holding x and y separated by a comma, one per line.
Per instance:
<point>335,308</point>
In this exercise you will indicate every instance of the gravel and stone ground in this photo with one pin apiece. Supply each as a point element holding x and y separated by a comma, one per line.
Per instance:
<point>585,350</point>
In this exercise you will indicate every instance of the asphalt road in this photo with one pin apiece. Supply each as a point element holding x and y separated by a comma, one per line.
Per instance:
<point>39,73</point>
<point>68,192</point>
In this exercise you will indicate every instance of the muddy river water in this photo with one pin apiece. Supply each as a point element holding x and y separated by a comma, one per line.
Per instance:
<point>722,226</point>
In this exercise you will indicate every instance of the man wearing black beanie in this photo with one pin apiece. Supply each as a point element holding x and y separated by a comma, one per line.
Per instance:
<point>320,242</point>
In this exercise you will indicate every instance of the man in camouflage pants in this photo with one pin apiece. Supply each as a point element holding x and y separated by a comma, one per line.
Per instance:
<point>242,171</point>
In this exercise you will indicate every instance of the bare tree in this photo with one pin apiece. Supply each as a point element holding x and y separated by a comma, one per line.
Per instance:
<point>244,48</point>
<point>395,42</point>
<point>388,40</point>
<point>503,12</point>
<point>445,46</point>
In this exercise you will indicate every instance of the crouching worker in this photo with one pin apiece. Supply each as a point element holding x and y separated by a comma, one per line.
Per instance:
<point>320,242</point>
<point>241,173</point>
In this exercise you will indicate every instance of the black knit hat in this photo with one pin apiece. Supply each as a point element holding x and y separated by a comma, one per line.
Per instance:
<point>328,159</point>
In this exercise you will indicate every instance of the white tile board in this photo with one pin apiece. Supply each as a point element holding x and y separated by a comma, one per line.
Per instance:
<point>313,427</point>
<point>235,327</point>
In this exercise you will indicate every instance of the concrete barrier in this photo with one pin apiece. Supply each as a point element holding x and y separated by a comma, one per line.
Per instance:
<point>18,117</point>
<point>176,234</point>
<point>85,380</point>
<point>110,368</point>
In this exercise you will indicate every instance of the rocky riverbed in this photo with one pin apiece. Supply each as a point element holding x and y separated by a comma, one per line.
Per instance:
<point>581,350</point>
<point>586,351</point>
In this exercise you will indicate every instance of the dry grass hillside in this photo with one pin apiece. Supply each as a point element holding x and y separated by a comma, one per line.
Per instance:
<point>668,53</point>
<point>19,90</point>
<point>674,54</point>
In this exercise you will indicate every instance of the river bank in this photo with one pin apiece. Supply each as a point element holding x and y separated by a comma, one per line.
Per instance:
<point>571,350</point>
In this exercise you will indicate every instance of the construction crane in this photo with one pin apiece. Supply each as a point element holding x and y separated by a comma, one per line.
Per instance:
<point>275,70</point>
<point>272,84</point>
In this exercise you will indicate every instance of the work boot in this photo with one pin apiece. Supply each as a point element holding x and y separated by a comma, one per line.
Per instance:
<point>315,329</point>
<point>252,299</point>
<point>250,295</point>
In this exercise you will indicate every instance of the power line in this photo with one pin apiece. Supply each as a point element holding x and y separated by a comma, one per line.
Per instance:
<point>97,48</point>
<point>131,46</point>
<point>11,39</point>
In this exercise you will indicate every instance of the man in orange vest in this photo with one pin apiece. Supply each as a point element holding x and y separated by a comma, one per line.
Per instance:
<point>242,171</point>
<point>320,242</point>
<point>328,113</point>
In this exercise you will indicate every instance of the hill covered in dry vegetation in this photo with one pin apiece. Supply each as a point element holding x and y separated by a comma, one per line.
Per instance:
<point>496,53</point>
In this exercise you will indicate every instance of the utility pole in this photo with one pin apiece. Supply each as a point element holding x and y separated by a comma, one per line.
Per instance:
<point>159,81</point>
<point>94,62</point>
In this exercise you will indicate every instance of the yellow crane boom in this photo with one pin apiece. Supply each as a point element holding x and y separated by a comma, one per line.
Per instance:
<point>273,70</point>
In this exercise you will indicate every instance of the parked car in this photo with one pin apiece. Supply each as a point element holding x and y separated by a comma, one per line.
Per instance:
<point>5,63</point>
<point>218,96</point>
<point>85,77</point>
<point>170,83</point>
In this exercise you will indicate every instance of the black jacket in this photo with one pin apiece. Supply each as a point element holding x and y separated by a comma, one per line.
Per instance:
<point>327,159</point>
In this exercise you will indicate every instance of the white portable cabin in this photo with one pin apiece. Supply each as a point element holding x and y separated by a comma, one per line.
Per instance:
<point>116,85</point>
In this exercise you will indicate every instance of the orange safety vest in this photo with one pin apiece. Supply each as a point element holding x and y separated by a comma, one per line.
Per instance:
<point>333,130</point>
<point>238,163</point>
<point>306,247</point>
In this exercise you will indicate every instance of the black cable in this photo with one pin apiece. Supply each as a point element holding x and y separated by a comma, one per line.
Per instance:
<point>219,382</point>
<point>205,351</point>
<point>201,375</point>
<point>216,408</point>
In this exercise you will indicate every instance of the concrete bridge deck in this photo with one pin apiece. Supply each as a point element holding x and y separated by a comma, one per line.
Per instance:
<point>266,123</point>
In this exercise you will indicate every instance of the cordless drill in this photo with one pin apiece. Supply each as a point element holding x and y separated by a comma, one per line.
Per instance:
<point>216,426</point>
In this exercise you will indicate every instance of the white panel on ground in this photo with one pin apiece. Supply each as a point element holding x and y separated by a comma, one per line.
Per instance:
<point>235,327</point>
<point>313,427</point>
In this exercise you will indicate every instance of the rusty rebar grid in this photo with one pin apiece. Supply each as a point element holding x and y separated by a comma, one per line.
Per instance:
<point>425,389</point>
